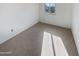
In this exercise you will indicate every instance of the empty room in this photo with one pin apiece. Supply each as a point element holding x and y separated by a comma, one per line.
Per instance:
<point>39,29</point>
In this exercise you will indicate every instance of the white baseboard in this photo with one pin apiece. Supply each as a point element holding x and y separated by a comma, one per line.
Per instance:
<point>14,34</point>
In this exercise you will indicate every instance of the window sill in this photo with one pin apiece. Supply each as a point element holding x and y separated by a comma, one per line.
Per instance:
<point>51,13</point>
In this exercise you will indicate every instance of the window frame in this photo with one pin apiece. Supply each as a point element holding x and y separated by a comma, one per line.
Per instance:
<point>50,12</point>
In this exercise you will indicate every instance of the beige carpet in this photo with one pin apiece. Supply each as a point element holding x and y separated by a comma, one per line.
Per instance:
<point>29,42</point>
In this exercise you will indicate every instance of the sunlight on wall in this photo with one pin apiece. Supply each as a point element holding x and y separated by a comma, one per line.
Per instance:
<point>60,49</point>
<point>47,49</point>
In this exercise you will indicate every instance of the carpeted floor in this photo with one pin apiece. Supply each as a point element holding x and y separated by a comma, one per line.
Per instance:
<point>29,42</point>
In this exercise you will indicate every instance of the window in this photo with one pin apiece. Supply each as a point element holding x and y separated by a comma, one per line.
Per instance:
<point>50,7</point>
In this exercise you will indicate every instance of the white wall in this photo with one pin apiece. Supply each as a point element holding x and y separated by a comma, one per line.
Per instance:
<point>17,17</point>
<point>75,24</point>
<point>62,17</point>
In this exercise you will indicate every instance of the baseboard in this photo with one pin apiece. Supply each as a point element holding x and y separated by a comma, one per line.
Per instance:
<point>74,39</point>
<point>30,25</point>
<point>55,25</point>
